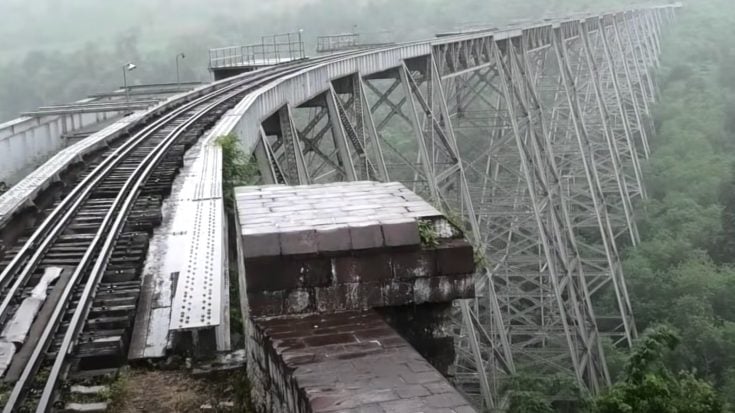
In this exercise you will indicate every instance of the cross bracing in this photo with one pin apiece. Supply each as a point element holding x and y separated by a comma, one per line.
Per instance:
<point>531,138</point>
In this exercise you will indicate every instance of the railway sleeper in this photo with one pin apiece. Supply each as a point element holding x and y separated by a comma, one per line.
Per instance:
<point>110,322</point>
<point>126,261</point>
<point>143,220</point>
<point>132,251</point>
<point>95,339</point>
<point>113,287</point>
<point>118,310</point>
<point>111,297</point>
<point>69,247</point>
<point>105,311</point>
<point>121,275</point>
<point>103,352</point>
<point>92,376</point>
<point>118,300</point>
<point>122,290</point>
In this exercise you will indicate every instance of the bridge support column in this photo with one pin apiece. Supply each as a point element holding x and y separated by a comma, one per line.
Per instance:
<point>600,212</point>
<point>571,305</point>
<point>328,269</point>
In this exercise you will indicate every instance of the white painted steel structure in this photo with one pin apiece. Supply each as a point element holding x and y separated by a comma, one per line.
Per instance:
<point>27,142</point>
<point>33,138</point>
<point>531,136</point>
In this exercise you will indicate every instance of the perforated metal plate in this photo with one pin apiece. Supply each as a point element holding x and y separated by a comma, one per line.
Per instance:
<point>199,225</point>
<point>196,303</point>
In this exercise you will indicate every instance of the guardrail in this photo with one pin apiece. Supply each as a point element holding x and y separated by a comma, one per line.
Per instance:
<point>271,50</point>
<point>337,42</point>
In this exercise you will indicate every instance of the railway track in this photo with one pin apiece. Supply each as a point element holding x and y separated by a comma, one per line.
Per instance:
<point>87,257</point>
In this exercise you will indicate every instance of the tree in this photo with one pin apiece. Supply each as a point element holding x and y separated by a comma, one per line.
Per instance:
<point>551,393</point>
<point>649,387</point>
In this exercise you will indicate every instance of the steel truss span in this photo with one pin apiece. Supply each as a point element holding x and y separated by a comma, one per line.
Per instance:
<point>531,138</point>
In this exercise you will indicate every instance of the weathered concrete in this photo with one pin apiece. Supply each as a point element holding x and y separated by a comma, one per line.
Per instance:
<point>28,141</point>
<point>317,261</point>
<point>342,362</point>
<point>373,259</point>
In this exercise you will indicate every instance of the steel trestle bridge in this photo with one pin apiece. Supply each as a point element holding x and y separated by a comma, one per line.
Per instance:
<point>531,138</point>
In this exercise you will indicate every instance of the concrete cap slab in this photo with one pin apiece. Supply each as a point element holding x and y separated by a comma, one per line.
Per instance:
<point>328,217</point>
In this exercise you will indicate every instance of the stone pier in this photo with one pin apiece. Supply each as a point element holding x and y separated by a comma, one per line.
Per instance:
<point>346,291</point>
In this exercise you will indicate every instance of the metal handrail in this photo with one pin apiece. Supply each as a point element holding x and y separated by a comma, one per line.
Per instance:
<point>274,49</point>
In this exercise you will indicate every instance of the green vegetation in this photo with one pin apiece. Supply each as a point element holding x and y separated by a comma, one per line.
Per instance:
<point>4,392</point>
<point>238,168</point>
<point>241,390</point>
<point>648,386</point>
<point>117,390</point>
<point>481,261</point>
<point>529,394</point>
<point>427,233</point>
<point>682,272</point>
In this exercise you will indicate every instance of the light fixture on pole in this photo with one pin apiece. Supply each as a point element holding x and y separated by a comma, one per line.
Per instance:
<point>301,44</point>
<point>178,77</point>
<point>125,69</point>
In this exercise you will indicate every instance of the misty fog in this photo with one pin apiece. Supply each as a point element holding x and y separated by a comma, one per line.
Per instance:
<point>58,51</point>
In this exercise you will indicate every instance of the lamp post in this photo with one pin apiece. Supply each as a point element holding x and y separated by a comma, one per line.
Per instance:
<point>301,44</point>
<point>178,77</point>
<point>125,69</point>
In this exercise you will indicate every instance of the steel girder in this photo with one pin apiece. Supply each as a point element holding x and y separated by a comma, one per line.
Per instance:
<point>533,144</point>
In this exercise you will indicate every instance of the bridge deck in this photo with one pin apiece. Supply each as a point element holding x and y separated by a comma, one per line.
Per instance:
<point>176,235</point>
<point>188,255</point>
<point>26,190</point>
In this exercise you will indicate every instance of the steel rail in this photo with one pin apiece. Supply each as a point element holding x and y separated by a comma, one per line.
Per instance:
<point>130,189</point>
<point>81,195</point>
<point>119,211</point>
<point>39,242</point>
<point>44,236</point>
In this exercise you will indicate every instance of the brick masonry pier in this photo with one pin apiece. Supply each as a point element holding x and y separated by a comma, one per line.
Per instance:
<point>346,291</point>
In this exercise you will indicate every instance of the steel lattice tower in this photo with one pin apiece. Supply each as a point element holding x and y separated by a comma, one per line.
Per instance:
<point>532,138</point>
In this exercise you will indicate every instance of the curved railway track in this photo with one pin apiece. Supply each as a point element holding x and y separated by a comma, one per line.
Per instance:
<point>98,233</point>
